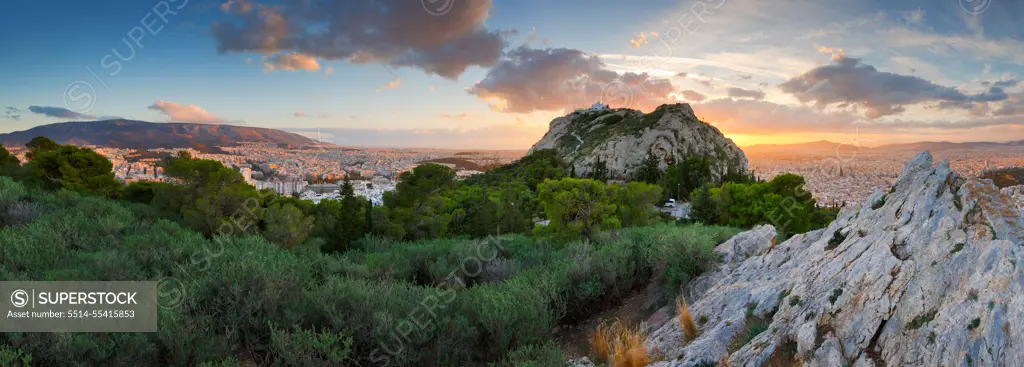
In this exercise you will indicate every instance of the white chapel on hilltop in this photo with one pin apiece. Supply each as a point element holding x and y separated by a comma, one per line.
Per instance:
<point>594,107</point>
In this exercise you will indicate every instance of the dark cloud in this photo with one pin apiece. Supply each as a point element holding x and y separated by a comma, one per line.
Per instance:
<point>392,32</point>
<point>58,112</point>
<point>13,113</point>
<point>1010,108</point>
<point>848,80</point>
<point>528,80</point>
<point>745,93</point>
<point>744,76</point>
<point>692,95</point>
<point>1008,83</point>
<point>681,74</point>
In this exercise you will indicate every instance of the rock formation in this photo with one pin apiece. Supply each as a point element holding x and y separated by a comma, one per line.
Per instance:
<point>622,139</point>
<point>926,274</point>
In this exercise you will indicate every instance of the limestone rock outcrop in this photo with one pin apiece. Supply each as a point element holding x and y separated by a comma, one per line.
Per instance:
<point>622,139</point>
<point>927,274</point>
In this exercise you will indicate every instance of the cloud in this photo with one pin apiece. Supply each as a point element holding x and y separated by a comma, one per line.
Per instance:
<point>744,76</point>
<point>641,39</point>
<point>291,62</point>
<point>328,70</point>
<point>13,113</point>
<point>394,84</point>
<point>58,112</point>
<point>745,116</point>
<point>849,81</point>
<point>735,92</point>
<point>391,32</point>
<point>528,80</point>
<point>833,51</point>
<point>457,116</point>
<point>1006,83</point>
<point>301,114</point>
<point>692,95</point>
<point>184,113</point>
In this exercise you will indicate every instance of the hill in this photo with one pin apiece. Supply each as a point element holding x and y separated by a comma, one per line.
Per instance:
<point>148,135</point>
<point>925,274</point>
<point>622,139</point>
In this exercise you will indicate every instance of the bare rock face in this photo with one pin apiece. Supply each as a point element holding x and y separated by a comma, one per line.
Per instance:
<point>1016,193</point>
<point>622,139</point>
<point>927,274</point>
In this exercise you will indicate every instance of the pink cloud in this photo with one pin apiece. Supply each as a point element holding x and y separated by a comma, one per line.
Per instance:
<point>184,113</point>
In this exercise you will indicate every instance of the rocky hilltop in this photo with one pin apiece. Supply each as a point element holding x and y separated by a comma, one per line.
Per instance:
<point>926,274</point>
<point>622,138</point>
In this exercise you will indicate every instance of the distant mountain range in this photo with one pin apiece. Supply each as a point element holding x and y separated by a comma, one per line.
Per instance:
<point>823,147</point>
<point>148,135</point>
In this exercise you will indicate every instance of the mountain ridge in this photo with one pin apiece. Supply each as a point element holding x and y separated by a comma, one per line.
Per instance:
<point>133,134</point>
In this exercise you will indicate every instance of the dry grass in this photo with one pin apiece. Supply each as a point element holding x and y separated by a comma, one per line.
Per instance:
<point>685,320</point>
<point>600,346</point>
<point>619,345</point>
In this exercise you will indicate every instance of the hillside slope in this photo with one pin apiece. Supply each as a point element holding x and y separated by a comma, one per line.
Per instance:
<point>925,275</point>
<point>148,135</point>
<point>622,139</point>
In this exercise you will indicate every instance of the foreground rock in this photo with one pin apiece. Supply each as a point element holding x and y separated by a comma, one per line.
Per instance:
<point>924,275</point>
<point>622,139</point>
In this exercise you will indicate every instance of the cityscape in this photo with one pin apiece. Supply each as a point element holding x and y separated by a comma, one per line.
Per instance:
<point>847,175</point>
<point>310,173</point>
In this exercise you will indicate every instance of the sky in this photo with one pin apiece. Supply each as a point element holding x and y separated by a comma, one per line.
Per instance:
<point>483,74</point>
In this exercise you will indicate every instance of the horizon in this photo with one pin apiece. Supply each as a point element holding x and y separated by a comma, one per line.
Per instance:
<point>475,74</point>
<point>306,134</point>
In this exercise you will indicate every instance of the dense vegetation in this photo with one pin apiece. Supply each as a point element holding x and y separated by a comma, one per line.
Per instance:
<point>1006,177</point>
<point>781,202</point>
<point>238,298</point>
<point>447,272</point>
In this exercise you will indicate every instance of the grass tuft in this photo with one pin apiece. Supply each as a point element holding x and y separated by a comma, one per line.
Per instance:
<point>619,346</point>
<point>686,321</point>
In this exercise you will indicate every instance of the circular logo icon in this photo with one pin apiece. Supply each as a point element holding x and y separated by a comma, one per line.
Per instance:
<point>19,298</point>
<point>169,293</point>
<point>617,94</point>
<point>437,7</point>
<point>975,7</point>
<point>79,97</point>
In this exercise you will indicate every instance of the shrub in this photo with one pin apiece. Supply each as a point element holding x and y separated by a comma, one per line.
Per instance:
<point>974,324</point>
<point>835,295</point>
<point>14,357</point>
<point>754,328</point>
<point>537,355</point>
<point>921,320</point>
<point>20,213</point>
<point>837,238</point>
<point>308,348</point>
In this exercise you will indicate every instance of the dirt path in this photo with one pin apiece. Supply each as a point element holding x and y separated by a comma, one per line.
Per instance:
<point>574,340</point>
